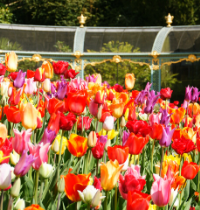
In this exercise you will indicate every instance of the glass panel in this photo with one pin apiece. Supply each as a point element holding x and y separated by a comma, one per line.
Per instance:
<point>178,76</point>
<point>179,40</point>
<point>120,40</point>
<point>115,72</point>
<point>32,40</point>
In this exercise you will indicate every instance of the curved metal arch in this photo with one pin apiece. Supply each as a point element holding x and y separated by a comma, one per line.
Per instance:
<point>160,39</point>
<point>79,39</point>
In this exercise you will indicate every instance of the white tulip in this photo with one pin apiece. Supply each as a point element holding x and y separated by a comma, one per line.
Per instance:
<point>108,123</point>
<point>14,157</point>
<point>5,176</point>
<point>46,85</point>
<point>20,204</point>
<point>173,196</point>
<point>46,170</point>
<point>143,117</point>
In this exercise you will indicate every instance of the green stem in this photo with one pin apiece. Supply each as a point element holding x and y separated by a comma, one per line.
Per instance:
<point>59,157</point>
<point>180,165</point>
<point>162,156</point>
<point>152,151</point>
<point>36,186</point>
<point>35,136</point>
<point>88,207</point>
<point>138,159</point>
<point>97,168</point>
<point>118,131</point>
<point>10,203</point>
<point>30,174</point>
<point>76,127</point>
<point>2,199</point>
<point>105,201</point>
<point>41,190</point>
<point>58,204</point>
<point>166,103</point>
<point>97,126</point>
<point>115,207</point>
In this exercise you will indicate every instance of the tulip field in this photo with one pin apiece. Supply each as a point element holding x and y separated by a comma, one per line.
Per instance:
<point>80,144</point>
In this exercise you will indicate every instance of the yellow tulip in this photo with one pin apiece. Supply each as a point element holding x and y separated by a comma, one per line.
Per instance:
<point>11,61</point>
<point>3,132</point>
<point>111,134</point>
<point>64,143</point>
<point>29,115</point>
<point>152,207</point>
<point>129,81</point>
<point>172,158</point>
<point>110,174</point>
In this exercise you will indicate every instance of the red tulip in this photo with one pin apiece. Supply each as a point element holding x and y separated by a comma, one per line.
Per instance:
<point>138,200</point>
<point>39,75</point>
<point>13,75</point>
<point>86,123</point>
<point>118,153</point>
<point>6,148</point>
<point>98,150</point>
<point>67,122</point>
<point>99,97</point>
<point>166,93</point>
<point>54,122</point>
<point>2,69</point>
<point>55,105</point>
<point>136,143</point>
<point>156,132</point>
<point>76,101</point>
<point>189,170</point>
<point>60,67</point>
<point>15,97</point>
<point>30,74</point>
<point>198,144</point>
<point>70,74</point>
<point>12,114</point>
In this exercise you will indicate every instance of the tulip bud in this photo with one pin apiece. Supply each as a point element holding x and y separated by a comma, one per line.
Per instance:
<point>123,122</point>
<point>56,146</point>
<point>99,113</point>
<point>61,185</point>
<point>92,139</point>
<point>107,145</point>
<point>46,85</point>
<point>14,157</point>
<point>12,174</point>
<point>46,170</point>
<point>20,204</point>
<point>16,188</point>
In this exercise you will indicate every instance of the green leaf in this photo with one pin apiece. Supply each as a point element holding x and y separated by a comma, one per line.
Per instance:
<point>193,185</point>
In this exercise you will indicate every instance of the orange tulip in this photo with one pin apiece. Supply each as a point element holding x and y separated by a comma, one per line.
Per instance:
<point>77,145</point>
<point>11,61</point>
<point>29,115</point>
<point>3,132</point>
<point>195,108</point>
<point>48,69</point>
<point>12,113</point>
<point>110,174</point>
<point>178,182</point>
<point>173,166</point>
<point>178,115</point>
<point>73,183</point>
<point>118,153</point>
<point>189,170</point>
<point>117,108</point>
<point>34,207</point>
<point>129,81</point>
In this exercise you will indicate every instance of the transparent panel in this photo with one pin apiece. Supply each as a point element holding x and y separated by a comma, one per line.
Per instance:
<point>115,72</point>
<point>178,76</point>
<point>120,40</point>
<point>183,40</point>
<point>33,40</point>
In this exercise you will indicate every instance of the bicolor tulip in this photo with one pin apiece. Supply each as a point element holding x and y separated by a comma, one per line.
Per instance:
<point>34,207</point>
<point>77,145</point>
<point>48,69</point>
<point>161,190</point>
<point>30,87</point>
<point>56,144</point>
<point>5,150</point>
<point>75,183</point>
<point>138,200</point>
<point>189,170</point>
<point>132,180</point>
<point>11,61</point>
<point>129,81</point>
<point>110,174</point>
<point>117,108</point>
<point>15,96</point>
<point>46,85</point>
<point>24,164</point>
<point>21,140</point>
<point>39,75</point>
<point>178,115</point>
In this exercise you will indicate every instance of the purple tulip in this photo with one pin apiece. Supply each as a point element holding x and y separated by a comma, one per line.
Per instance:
<point>91,78</point>
<point>148,86</point>
<point>48,136</point>
<point>194,94</point>
<point>20,79</point>
<point>165,118</point>
<point>140,99</point>
<point>53,88</point>
<point>125,137</point>
<point>62,90</point>
<point>151,101</point>
<point>188,93</point>
<point>24,164</point>
<point>185,104</point>
<point>166,136</point>
<point>103,139</point>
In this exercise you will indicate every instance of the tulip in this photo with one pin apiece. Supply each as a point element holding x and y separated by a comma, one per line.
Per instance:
<point>138,200</point>
<point>98,150</point>
<point>92,139</point>
<point>178,115</point>
<point>93,108</point>
<point>86,123</point>
<point>117,108</point>
<point>20,140</point>
<point>11,61</point>
<point>129,81</point>
<point>60,67</point>
<point>165,118</point>
<point>54,122</point>
<point>29,115</point>
<point>40,152</point>
<point>166,136</point>
<point>99,97</point>
<point>91,78</point>
<point>4,89</point>
<point>97,183</point>
<point>16,188</point>
<point>14,158</point>
<point>34,207</point>
<point>188,93</point>
<point>39,75</point>
<point>108,123</point>
<point>67,122</point>
<point>136,143</point>
<point>189,170</point>
<point>194,94</point>
<point>154,118</point>
<point>30,87</point>
<point>70,74</point>
<point>88,195</point>
<point>61,185</point>
<point>62,90</point>
<point>3,132</point>
<point>20,79</point>
<point>75,183</point>
<point>151,101</point>
<point>48,69</point>
<point>2,69</point>
<point>55,146</point>
<point>161,190</point>
<point>5,150</point>
<point>118,153</point>
<point>46,170</point>
<point>125,137</point>
<point>5,176</point>
<point>156,132</point>
<point>165,93</point>
<point>13,114</point>
<point>173,196</point>
<point>48,136</point>
<point>46,85</point>
<point>77,145</point>
<point>24,164</point>
<point>20,204</point>
<point>132,180</point>
<point>110,174</point>
<point>55,105</point>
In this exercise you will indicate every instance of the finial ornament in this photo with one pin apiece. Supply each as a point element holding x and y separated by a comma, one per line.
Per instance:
<point>82,20</point>
<point>169,19</point>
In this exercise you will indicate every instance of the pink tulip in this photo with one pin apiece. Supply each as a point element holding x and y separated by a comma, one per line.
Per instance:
<point>40,153</point>
<point>30,86</point>
<point>20,141</point>
<point>5,176</point>
<point>93,108</point>
<point>132,180</point>
<point>161,190</point>
<point>154,118</point>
